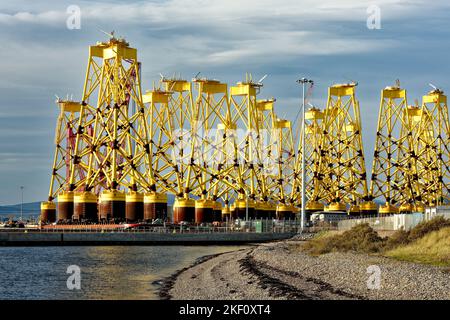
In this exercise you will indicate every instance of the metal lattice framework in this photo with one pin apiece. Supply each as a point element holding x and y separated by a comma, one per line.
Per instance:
<point>390,172</point>
<point>244,114</point>
<point>285,161</point>
<point>267,120</point>
<point>65,134</point>
<point>210,151</point>
<point>112,105</point>
<point>313,136</point>
<point>342,173</point>
<point>161,126</point>
<point>432,149</point>
<point>206,141</point>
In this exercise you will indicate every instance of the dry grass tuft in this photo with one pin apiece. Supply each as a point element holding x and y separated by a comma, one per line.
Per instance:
<point>433,248</point>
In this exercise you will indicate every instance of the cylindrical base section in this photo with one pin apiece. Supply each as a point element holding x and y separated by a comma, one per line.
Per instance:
<point>369,209</point>
<point>65,206</point>
<point>48,212</point>
<point>233,211</point>
<point>285,212</point>
<point>406,208</point>
<point>112,205</point>
<point>85,206</point>
<point>354,211</point>
<point>204,211</point>
<point>271,210</point>
<point>336,206</point>
<point>297,213</point>
<point>184,210</point>
<point>226,214</point>
<point>155,206</point>
<point>134,207</point>
<point>311,208</point>
<point>388,210</point>
<point>217,213</point>
<point>260,210</point>
<point>242,206</point>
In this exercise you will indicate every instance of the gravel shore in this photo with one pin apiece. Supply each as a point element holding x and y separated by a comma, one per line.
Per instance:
<point>282,271</point>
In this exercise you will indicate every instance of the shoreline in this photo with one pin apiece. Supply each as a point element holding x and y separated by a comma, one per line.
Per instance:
<point>167,283</point>
<point>280,270</point>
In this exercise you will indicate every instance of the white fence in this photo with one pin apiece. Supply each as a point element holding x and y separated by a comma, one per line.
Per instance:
<point>432,212</point>
<point>398,221</point>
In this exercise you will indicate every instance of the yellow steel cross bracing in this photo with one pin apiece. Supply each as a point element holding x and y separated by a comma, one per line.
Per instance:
<point>313,137</point>
<point>406,176</point>
<point>162,128</point>
<point>266,122</point>
<point>342,173</point>
<point>244,115</point>
<point>117,146</point>
<point>181,108</point>
<point>285,161</point>
<point>392,169</point>
<point>64,148</point>
<point>225,155</point>
<point>213,150</point>
<point>432,149</point>
<point>408,159</point>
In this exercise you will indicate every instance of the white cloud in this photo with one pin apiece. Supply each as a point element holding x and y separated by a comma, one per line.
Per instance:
<point>176,12</point>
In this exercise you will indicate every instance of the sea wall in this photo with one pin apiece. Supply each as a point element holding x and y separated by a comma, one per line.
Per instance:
<point>128,238</point>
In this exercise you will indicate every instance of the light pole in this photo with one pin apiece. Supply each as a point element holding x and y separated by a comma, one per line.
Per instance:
<point>21,204</point>
<point>303,81</point>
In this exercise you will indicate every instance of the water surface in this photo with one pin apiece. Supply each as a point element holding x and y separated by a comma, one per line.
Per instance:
<point>107,272</point>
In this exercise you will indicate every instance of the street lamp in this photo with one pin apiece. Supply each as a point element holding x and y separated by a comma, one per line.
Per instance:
<point>21,204</point>
<point>303,81</point>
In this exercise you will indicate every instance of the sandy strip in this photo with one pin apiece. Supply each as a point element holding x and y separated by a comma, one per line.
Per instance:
<point>281,271</point>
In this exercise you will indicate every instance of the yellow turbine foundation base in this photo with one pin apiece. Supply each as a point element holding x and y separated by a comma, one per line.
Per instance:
<point>336,207</point>
<point>285,212</point>
<point>261,210</point>
<point>388,209</point>
<point>217,211</point>
<point>65,205</point>
<point>226,213</point>
<point>406,208</point>
<point>241,208</point>
<point>85,206</point>
<point>134,206</point>
<point>419,208</point>
<point>354,210</point>
<point>184,210</point>
<point>314,206</point>
<point>48,212</point>
<point>204,210</point>
<point>112,205</point>
<point>155,206</point>
<point>369,209</point>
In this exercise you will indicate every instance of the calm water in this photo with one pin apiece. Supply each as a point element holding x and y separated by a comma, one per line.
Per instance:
<point>110,272</point>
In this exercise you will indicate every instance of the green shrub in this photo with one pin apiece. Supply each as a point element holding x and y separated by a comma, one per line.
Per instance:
<point>361,238</point>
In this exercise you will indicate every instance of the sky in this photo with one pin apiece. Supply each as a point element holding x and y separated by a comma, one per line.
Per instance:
<point>327,41</point>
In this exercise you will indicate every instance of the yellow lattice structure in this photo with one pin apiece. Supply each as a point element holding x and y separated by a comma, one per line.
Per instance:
<point>390,170</point>
<point>432,149</point>
<point>313,136</point>
<point>342,174</point>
